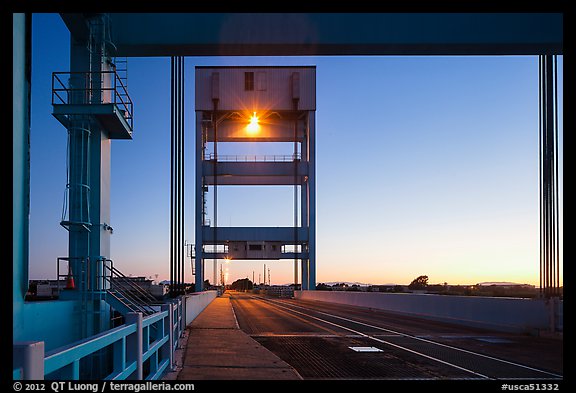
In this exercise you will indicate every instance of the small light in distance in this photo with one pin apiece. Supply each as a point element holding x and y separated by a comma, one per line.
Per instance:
<point>253,127</point>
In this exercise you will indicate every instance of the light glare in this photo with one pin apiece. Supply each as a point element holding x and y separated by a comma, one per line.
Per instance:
<point>253,127</point>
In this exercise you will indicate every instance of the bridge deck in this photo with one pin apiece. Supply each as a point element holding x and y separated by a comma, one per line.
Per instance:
<point>246,336</point>
<point>217,350</point>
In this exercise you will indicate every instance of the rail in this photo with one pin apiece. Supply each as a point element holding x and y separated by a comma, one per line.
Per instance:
<point>78,275</point>
<point>84,92</point>
<point>141,339</point>
<point>252,158</point>
<point>139,300</point>
<point>143,348</point>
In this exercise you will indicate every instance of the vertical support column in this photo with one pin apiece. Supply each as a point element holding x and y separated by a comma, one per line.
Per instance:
<point>21,67</point>
<point>172,207</point>
<point>100,161</point>
<point>100,149</point>
<point>81,135</point>
<point>29,355</point>
<point>199,201</point>
<point>304,204</point>
<point>100,155</point>
<point>312,199</point>
<point>215,84</point>
<point>134,344</point>
<point>549,223</point>
<point>177,177</point>
<point>305,274</point>
<point>89,175</point>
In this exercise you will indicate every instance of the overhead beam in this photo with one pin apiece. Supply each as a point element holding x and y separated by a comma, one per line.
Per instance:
<point>254,234</point>
<point>300,34</point>
<point>77,24</point>
<point>226,169</point>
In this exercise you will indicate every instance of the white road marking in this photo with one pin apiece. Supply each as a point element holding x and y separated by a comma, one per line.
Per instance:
<point>409,336</point>
<point>380,341</point>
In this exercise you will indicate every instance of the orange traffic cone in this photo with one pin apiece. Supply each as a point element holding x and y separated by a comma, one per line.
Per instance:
<point>70,279</point>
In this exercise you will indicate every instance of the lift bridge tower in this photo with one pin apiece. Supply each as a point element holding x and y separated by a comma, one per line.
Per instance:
<point>237,105</point>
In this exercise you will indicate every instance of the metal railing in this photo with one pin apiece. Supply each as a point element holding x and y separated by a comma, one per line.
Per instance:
<point>96,278</point>
<point>128,292</point>
<point>84,92</point>
<point>140,339</point>
<point>142,348</point>
<point>252,157</point>
<point>79,275</point>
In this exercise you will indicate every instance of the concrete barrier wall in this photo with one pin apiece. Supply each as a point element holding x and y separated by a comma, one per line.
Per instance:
<point>196,303</point>
<point>504,314</point>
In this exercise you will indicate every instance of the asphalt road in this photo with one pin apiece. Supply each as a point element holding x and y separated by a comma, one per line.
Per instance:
<point>329,341</point>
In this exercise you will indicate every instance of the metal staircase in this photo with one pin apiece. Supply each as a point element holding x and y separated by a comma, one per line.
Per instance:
<point>125,295</point>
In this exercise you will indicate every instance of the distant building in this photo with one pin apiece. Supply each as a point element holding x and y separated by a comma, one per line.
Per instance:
<point>44,289</point>
<point>159,291</point>
<point>387,288</point>
<point>282,291</point>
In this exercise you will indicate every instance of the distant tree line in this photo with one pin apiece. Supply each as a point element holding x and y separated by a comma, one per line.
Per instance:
<point>242,284</point>
<point>420,283</point>
<point>357,288</point>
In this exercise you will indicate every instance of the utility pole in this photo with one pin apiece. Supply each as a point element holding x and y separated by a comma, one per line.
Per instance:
<point>264,274</point>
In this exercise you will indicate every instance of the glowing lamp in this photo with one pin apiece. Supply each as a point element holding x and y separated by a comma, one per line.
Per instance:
<point>253,127</point>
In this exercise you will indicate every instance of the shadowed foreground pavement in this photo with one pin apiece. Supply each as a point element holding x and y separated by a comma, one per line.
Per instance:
<point>217,349</point>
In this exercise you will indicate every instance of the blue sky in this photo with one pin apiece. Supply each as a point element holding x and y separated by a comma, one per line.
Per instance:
<point>425,165</point>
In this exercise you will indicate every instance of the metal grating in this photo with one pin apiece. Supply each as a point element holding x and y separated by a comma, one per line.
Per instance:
<point>331,358</point>
<point>486,366</point>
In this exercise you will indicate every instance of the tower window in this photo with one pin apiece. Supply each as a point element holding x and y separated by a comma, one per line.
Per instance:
<point>248,81</point>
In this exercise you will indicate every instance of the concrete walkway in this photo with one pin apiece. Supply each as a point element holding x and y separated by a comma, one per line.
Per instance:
<point>217,349</point>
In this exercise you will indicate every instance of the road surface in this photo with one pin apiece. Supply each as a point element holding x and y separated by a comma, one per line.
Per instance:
<point>330,341</point>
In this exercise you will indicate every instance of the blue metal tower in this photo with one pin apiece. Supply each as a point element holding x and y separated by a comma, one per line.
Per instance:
<point>92,102</point>
<point>251,105</point>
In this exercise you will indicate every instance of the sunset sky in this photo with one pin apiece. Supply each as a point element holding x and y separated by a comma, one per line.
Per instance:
<point>425,166</point>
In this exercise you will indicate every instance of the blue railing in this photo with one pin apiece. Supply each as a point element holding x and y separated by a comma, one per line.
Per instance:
<point>85,93</point>
<point>143,348</point>
<point>138,342</point>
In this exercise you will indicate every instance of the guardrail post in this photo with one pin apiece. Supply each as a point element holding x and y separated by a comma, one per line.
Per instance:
<point>181,325</point>
<point>168,329</point>
<point>177,332</point>
<point>134,346</point>
<point>175,327</point>
<point>184,314</point>
<point>29,355</point>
